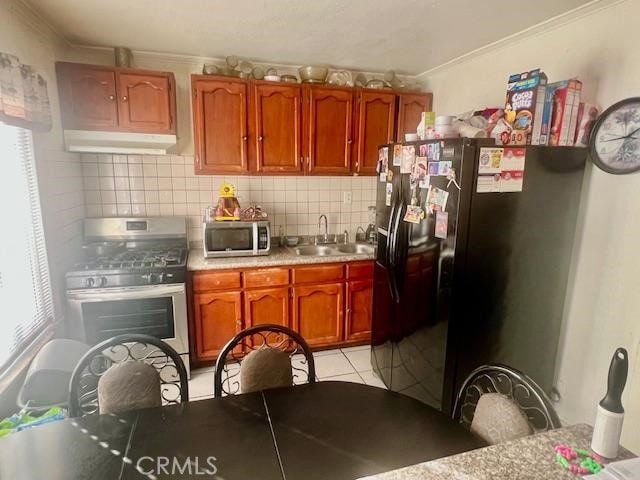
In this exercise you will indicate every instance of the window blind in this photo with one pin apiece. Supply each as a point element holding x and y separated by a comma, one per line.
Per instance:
<point>25,287</point>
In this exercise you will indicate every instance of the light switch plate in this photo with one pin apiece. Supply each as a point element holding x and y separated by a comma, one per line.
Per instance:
<point>347,197</point>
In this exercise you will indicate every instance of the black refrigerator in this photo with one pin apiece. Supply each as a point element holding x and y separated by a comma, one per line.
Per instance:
<point>488,288</point>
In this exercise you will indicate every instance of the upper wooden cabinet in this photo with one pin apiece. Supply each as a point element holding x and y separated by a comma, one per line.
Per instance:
<point>220,125</point>
<point>328,129</point>
<point>375,126</point>
<point>410,108</point>
<point>144,102</point>
<point>275,128</point>
<point>258,127</point>
<point>94,97</point>
<point>88,97</point>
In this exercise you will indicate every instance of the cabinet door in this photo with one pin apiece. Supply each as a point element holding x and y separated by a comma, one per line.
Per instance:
<point>410,108</point>
<point>376,115</point>
<point>276,129</point>
<point>269,305</point>
<point>217,318</point>
<point>87,97</point>
<point>146,102</point>
<point>328,119</point>
<point>359,305</point>
<point>318,313</point>
<point>220,126</point>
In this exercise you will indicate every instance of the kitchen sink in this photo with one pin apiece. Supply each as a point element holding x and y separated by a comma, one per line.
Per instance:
<point>357,248</point>
<point>318,250</point>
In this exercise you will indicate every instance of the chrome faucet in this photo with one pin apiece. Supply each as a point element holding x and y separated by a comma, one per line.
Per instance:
<point>326,228</point>
<point>346,236</point>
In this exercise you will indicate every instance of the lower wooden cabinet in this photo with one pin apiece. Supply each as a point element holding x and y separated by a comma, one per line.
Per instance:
<point>318,312</point>
<point>359,308</point>
<point>217,318</point>
<point>330,305</point>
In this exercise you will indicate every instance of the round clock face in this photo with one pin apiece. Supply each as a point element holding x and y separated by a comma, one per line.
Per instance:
<point>615,139</point>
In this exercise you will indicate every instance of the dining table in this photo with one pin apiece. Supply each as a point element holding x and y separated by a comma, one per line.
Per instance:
<point>325,430</point>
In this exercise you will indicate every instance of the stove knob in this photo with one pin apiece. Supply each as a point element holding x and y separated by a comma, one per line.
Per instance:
<point>90,282</point>
<point>161,277</point>
<point>103,281</point>
<point>148,277</point>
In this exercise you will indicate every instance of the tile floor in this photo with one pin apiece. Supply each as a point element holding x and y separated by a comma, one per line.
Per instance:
<point>344,364</point>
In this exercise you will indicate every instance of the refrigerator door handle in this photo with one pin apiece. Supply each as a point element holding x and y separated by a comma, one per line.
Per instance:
<point>396,269</point>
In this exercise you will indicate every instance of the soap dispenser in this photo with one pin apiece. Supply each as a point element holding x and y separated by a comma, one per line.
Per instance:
<point>608,425</point>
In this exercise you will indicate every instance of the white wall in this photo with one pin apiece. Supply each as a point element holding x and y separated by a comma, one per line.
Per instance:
<point>603,303</point>
<point>59,172</point>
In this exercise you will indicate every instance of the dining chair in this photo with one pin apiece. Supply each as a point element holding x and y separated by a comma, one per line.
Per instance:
<point>262,357</point>
<point>119,372</point>
<point>499,403</point>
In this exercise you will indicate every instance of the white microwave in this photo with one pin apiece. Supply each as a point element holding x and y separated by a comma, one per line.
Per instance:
<point>236,238</point>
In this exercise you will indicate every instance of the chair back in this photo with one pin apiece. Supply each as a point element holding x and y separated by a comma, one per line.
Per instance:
<point>83,386</point>
<point>514,385</point>
<point>250,343</point>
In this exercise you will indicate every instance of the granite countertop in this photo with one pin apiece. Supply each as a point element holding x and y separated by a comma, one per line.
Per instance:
<point>278,256</point>
<point>530,458</point>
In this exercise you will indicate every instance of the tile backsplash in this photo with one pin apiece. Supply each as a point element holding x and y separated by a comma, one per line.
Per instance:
<point>147,185</point>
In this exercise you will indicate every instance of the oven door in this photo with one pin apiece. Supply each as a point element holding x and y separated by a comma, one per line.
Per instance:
<point>156,310</point>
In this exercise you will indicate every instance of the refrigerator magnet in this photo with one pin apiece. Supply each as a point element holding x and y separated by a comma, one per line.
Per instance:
<point>442,225</point>
<point>437,199</point>
<point>420,168</point>
<point>389,191</point>
<point>408,158</point>
<point>488,183</point>
<point>397,155</point>
<point>489,161</point>
<point>414,214</point>
<point>423,150</point>
<point>425,182</point>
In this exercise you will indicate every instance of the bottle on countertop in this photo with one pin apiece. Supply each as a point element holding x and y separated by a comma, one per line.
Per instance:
<point>608,424</point>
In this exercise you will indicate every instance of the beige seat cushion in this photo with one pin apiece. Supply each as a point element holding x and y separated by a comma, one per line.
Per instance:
<point>129,386</point>
<point>265,368</point>
<point>498,419</point>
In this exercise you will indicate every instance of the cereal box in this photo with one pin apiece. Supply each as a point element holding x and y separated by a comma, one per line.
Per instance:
<point>524,106</point>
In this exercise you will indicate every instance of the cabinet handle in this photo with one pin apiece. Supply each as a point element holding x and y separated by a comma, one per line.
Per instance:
<point>124,99</point>
<point>244,137</point>
<point>112,97</point>
<point>259,139</point>
<point>349,141</point>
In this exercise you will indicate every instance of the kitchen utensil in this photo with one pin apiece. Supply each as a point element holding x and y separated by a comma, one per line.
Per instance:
<point>289,78</point>
<point>102,249</point>
<point>258,73</point>
<point>313,74</point>
<point>232,61</point>
<point>229,72</point>
<point>339,77</point>
<point>389,76</point>
<point>292,241</point>
<point>376,83</point>
<point>124,57</point>
<point>361,80</point>
<point>210,69</point>
<point>271,71</point>
<point>272,78</point>
<point>245,67</point>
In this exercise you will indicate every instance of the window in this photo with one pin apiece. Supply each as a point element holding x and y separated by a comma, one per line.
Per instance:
<point>25,287</point>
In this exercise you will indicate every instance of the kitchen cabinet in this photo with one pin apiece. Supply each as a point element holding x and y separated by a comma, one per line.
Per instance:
<point>144,102</point>
<point>358,311</point>
<point>88,97</point>
<point>318,313</point>
<point>410,108</point>
<point>94,97</point>
<point>328,129</point>
<point>375,126</point>
<point>330,305</point>
<point>217,318</point>
<point>220,130</point>
<point>276,128</point>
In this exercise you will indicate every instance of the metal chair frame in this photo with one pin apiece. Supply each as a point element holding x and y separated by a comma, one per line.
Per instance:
<point>83,385</point>
<point>515,385</point>
<point>244,342</point>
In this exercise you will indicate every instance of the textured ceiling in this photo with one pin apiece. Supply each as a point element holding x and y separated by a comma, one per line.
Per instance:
<point>409,36</point>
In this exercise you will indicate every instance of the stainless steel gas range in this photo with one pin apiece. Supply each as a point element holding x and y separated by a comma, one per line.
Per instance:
<point>131,281</point>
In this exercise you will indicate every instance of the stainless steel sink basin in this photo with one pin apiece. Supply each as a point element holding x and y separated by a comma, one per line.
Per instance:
<point>318,250</point>
<point>357,248</point>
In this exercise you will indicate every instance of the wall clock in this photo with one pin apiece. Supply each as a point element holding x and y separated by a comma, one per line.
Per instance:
<point>615,138</point>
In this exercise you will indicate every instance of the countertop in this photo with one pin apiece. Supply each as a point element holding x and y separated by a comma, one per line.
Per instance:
<point>278,256</point>
<point>530,458</point>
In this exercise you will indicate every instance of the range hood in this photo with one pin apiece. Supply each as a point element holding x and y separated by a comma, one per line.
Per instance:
<point>118,142</point>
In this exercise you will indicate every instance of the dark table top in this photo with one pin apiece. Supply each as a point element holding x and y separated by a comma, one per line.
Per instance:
<point>333,430</point>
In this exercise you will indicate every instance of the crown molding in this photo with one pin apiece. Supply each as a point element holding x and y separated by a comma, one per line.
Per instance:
<point>33,20</point>
<point>590,8</point>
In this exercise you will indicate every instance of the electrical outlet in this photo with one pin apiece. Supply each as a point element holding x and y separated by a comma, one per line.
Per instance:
<point>347,197</point>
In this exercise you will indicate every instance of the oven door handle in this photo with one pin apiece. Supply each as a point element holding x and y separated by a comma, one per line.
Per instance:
<point>101,295</point>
